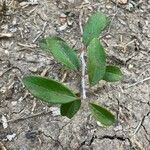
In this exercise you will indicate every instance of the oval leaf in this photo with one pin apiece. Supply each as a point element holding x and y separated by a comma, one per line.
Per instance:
<point>94,26</point>
<point>102,115</point>
<point>70,109</point>
<point>96,61</point>
<point>61,52</point>
<point>113,74</point>
<point>48,90</point>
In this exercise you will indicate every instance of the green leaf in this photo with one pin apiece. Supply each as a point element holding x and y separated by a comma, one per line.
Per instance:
<point>96,61</point>
<point>61,52</point>
<point>102,115</point>
<point>113,74</point>
<point>48,90</point>
<point>94,26</point>
<point>70,109</point>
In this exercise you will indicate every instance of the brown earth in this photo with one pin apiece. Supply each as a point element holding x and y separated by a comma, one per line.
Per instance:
<point>33,125</point>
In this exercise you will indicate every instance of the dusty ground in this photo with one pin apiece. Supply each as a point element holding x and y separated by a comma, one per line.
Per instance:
<point>33,125</point>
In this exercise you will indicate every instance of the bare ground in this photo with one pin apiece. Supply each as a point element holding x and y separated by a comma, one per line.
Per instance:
<point>33,125</point>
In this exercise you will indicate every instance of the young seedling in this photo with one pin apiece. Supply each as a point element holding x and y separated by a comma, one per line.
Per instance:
<point>54,92</point>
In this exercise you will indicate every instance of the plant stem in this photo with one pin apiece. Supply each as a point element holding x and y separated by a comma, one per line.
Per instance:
<point>82,58</point>
<point>83,75</point>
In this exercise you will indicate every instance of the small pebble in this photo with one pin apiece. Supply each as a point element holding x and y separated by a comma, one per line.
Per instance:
<point>70,22</point>
<point>33,69</point>
<point>118,128</point>
<point>11,137</point>
<point>71,1</point>
<point>4,122</point>
<point>63,15</point>
<point>23,148</point>
<point>130,66</point>
<point>63,27</point>
<point>99,124</point>
<point>14,103</point>
<point>55,111</point>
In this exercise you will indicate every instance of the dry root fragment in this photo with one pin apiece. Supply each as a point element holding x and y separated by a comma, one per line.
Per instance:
<point>2,147</point>
<point>6,35</point>
<point>122,2</point>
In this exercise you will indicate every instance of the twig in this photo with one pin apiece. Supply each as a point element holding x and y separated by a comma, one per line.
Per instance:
<point>141,81</point>
<point>82,59</point>
<point>6,35</point>
<point>64,77</point>
<point>140,124</point>
<point>5,71</point>
<point>13,67</point>
<point>44,72</point>
<point>31,116</point>
<point>36,38</point>
<point>27,45</point>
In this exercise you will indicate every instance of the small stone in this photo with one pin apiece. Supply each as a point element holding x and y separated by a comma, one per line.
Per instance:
<point>3,89</point>
<point>4,122</point>
<point>14,22</point>
<point>33,69</point>
<point>63,18</point>
<point>6,52</point>
<point>11,137</point>
<point>62,15</point>
<point>130,6</point>
<point>23,148</point>
<point>63,27</point>
<point>118,128</point>
<point>23,4</point>
<point>130,66</point>
<point>14,29</point>
<point>108,36</point>
<point>70,22</point>
<point>122,1</point>
<point>14,103</point>
<point>33,2</point>
<point>99,124</point>
<point>71,1</point>
<point>55,111</point>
